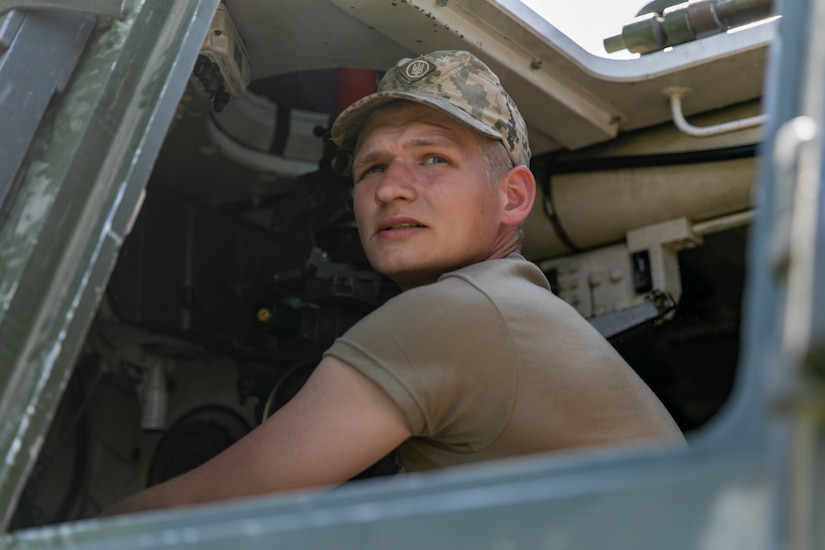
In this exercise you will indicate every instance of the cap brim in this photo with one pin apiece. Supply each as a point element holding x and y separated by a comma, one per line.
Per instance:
<point>349,123</point>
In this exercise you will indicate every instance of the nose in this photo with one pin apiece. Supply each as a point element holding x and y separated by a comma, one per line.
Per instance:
<point>396,183</point>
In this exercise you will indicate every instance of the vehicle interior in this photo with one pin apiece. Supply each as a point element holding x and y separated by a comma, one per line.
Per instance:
<point>244,262</point>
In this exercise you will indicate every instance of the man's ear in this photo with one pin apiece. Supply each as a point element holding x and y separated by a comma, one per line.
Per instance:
<point>519,191</point>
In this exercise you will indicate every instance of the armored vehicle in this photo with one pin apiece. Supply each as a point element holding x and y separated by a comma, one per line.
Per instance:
<point>177,249</point>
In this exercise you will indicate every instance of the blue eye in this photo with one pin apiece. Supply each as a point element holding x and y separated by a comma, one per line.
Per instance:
<point>374,169</point>
<point>435,160</point>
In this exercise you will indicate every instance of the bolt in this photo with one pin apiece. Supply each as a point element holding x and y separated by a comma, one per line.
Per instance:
<point>535,64</point>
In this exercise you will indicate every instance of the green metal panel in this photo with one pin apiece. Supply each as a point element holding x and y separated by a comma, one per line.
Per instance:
<point>52,41</point>
<point>64,222</point>
<point>636,500</point>
<point>798,201</point>
<point>112,8</point>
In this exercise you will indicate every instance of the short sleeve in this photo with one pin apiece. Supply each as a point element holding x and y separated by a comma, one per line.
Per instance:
<point>443,354</point>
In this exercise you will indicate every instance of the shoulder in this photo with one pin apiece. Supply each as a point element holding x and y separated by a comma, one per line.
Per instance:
<point>478,294</point>
<point>433,344</point>
<point>486,283</point>
<point>513,269</point>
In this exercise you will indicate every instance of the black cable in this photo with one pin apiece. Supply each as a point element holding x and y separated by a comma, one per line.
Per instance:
<point>550,212</point>
<point>570,166</point>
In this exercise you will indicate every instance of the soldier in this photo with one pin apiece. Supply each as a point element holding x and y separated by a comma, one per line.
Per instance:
<point>476,359</point>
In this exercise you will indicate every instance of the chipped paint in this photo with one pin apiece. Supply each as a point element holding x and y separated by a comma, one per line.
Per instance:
<point>89,164</point>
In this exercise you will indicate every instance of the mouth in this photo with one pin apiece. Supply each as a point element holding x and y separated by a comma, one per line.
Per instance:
<point>389,226</point>
<point>401,226</point>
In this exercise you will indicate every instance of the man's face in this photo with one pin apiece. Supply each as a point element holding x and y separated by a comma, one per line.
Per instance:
<point>424,204</point>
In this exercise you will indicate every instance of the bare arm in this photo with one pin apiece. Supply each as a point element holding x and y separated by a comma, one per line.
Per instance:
<point>338,424</point>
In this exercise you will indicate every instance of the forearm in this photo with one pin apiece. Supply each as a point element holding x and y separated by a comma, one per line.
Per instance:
<point>209,482</point>
<point>338,425</point>
<point>153,498</point>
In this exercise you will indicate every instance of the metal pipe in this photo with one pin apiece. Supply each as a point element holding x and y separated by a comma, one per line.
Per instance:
<point>725,222</point>
<point>685,22</point>
<point>675,94</point>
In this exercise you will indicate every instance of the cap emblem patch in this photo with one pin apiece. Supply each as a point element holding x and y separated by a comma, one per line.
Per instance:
<point>417,69</point>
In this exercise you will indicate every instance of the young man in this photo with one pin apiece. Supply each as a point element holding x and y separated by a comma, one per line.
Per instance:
<point>476,359</point>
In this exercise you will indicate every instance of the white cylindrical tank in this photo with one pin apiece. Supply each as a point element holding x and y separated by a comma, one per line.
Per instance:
<point>599,208</point>
<point>595,206</point>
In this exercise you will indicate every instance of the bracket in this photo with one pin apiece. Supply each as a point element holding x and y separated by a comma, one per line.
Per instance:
<point>659,243</point>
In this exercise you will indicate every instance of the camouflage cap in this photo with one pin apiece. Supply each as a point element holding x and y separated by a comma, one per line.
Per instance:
<point>454,82</point>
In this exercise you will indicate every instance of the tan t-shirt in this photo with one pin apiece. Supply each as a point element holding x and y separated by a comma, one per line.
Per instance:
<point>488,363</point>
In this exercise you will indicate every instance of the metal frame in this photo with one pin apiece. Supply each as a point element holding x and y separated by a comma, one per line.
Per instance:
<point>795,227</point>
<point>111,8</point>
<point>80,187</point>
<point>52,41</point>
